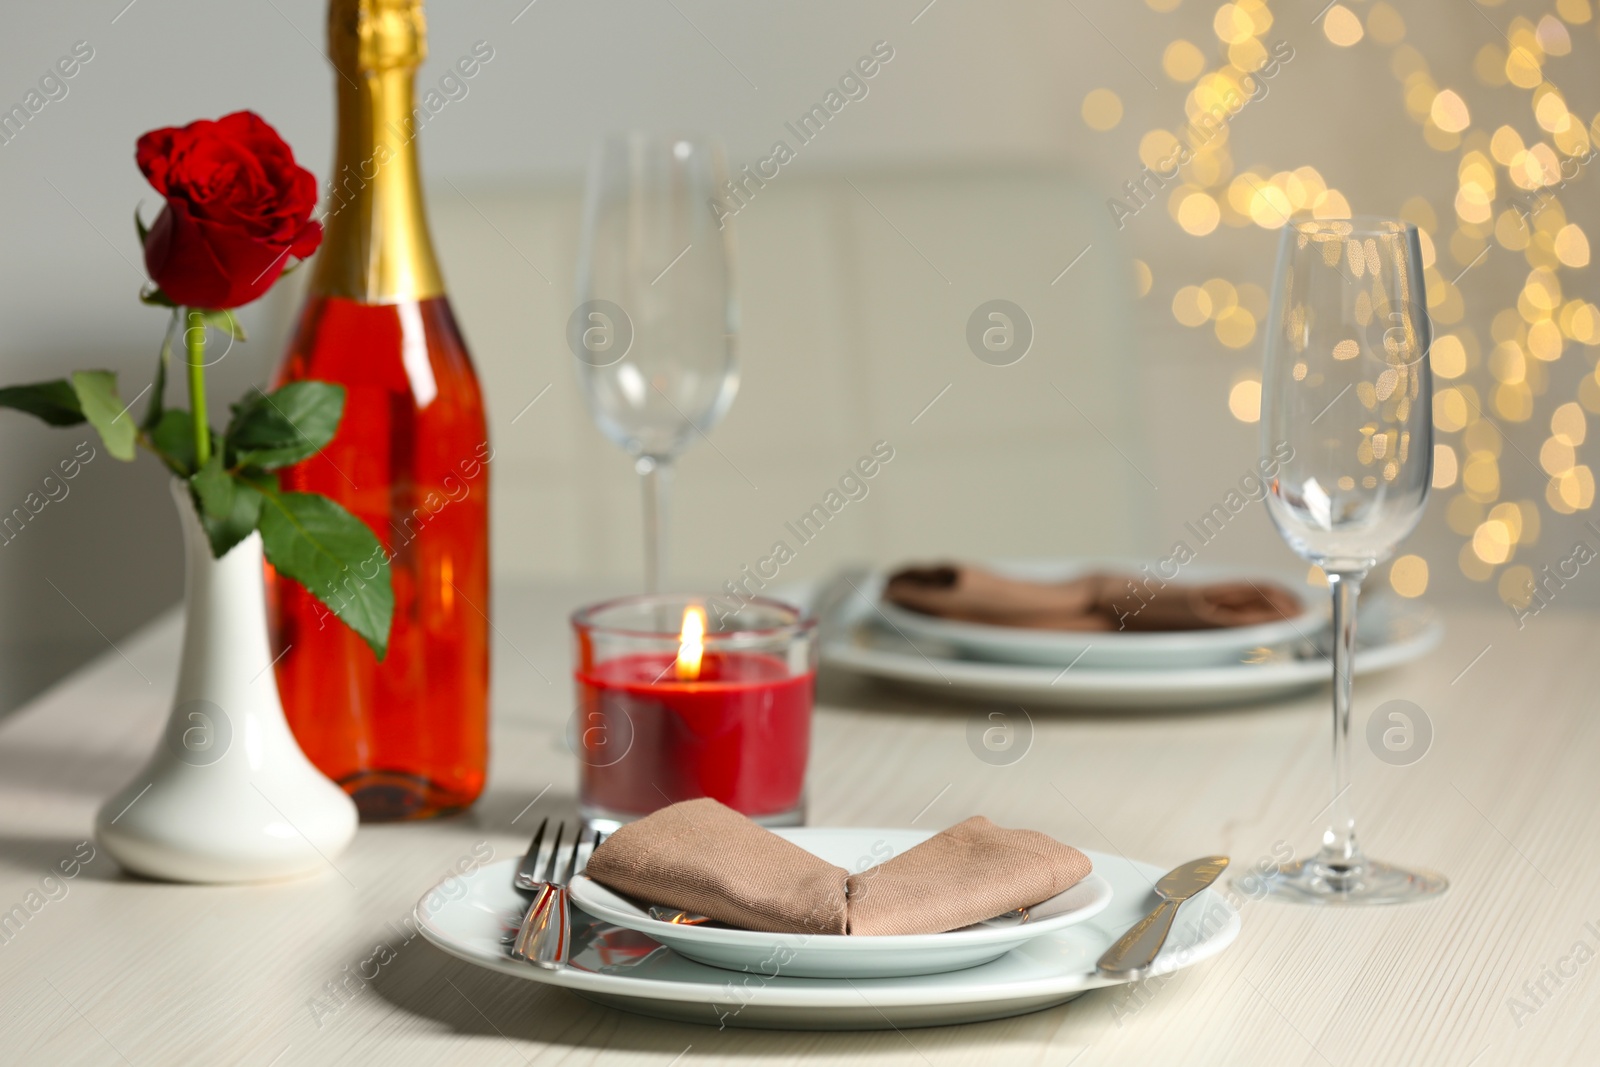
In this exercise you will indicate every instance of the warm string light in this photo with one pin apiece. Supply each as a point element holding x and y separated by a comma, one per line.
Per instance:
<point>691,643</point>
<point>1507,194</point>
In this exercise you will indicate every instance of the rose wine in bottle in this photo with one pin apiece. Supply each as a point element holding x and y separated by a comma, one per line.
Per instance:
<point>406,737</point>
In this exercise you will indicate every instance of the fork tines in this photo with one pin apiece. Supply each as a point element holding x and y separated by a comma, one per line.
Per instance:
<point>550,862</point>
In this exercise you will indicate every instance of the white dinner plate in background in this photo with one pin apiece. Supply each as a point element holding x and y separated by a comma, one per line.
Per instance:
<point>1162,650</point>
<point>1390,631</point>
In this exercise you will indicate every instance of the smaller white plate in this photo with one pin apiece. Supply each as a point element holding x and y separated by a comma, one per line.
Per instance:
<point>841,956</point>
<point>1113,650</point>
<point>1390,632</point>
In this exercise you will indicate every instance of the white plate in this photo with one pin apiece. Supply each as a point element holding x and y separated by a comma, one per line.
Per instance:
<point>1390,632</point>
<point>468,918</point>
<point>837,956</point>
<point>1110,650</point>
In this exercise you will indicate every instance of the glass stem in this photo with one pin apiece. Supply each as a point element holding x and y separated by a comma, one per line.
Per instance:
<point>1341,856</point>
<point>656,474</point>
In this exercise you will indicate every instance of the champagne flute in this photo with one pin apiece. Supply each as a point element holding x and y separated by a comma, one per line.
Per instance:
<point>1347,397</point>
<point>656,325</point>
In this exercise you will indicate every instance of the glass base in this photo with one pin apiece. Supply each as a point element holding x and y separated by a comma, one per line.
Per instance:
<point>605,821</point>
<point>394,796</point>
<point>1313,881</point>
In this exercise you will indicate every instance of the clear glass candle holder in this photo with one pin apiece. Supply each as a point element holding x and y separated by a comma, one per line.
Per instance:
<point>682,697</point>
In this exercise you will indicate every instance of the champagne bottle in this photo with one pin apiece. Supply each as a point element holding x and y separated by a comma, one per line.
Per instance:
<point>406,737</point>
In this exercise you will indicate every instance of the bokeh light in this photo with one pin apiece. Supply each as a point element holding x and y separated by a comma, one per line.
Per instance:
<point>1408,576</point>
<point>1182,61</point>
<point>1341,26</point>
<point>1102,109</point>
<point>1191,306</point>
<point>1244,400</point>
<point>1444,467</point>
<point>1449,112</point>
<point>1504,350</point>
<point>1198,214</point>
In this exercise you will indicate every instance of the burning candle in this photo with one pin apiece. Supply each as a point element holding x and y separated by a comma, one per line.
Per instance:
<point>673,707</point>
<point>691,643</point>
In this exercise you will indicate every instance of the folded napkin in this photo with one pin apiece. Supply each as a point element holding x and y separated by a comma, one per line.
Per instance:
<point>703,857</point>
<point>1096,601</point>
<point>973,871</point>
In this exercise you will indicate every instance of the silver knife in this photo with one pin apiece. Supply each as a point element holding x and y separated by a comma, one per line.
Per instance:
<point>1130,958</point>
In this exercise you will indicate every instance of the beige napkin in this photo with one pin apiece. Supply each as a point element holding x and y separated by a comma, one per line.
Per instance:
<point>973,871</point>
<point>703,857</point>
<point>1089,602</point>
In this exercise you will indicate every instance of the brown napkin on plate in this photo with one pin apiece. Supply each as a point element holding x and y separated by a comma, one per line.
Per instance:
<point>1096,601</point>
<point>703,857</point>
<point>973,871</point>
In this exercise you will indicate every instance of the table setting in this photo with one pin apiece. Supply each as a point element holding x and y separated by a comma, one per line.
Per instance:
<point>839,939</point>
<point>380,797</point>
<point>1196,668</point>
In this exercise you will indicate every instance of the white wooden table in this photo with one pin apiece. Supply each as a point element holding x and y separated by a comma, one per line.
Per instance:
<point>108,969</point>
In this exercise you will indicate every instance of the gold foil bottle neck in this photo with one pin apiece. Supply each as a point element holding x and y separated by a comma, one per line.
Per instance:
<point>372,35</point>
<point>377,248</point>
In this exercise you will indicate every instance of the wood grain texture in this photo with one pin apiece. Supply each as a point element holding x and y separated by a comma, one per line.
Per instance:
<point>110,969</point>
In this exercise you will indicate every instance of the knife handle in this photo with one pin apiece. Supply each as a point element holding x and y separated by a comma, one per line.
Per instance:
<point>1136,950</point>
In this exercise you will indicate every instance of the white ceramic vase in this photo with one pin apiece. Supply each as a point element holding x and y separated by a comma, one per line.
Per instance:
<point>228,796</point>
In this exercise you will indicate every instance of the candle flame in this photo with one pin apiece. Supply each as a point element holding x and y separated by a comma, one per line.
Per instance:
<point>691,643</point>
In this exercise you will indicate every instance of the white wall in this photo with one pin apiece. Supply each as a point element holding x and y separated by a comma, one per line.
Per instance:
<point>971,85</point>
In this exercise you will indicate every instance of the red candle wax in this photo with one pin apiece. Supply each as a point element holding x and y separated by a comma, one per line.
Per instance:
<point>739,732</point>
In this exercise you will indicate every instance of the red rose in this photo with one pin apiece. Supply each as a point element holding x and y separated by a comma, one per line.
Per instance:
<point>238,206</point>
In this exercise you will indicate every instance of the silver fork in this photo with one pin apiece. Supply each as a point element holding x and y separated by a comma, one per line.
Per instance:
<point>545,938</point>
<point>529,865</point>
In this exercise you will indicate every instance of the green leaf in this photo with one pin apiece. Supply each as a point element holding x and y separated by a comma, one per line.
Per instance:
<point>332,553</point>
<point>266,483</point>
<point>97,396</point>
<point>274,430</point>
<point>213,487</point>
<point>54,402</point>
<point>222,320</point>
<point>158,391</point>
<point>138,224</point>
<point>172,438</point>
<point>156,298</point>
<point>234,524</point>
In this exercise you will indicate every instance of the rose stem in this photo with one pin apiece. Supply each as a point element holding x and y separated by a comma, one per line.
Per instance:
<point>195,341</point>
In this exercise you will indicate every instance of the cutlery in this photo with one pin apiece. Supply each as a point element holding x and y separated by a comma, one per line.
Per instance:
<point>545,936</point>
<point>679,917</point>
<point>530,859</point>
<point>830,605</point>
<point>1130,958</point>
<point>1016,917</point>
<point>525,876</point>
<point>528,865</point>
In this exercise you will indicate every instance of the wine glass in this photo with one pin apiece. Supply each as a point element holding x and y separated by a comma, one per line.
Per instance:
<point>656,324</point>
<point>1347,399</point>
